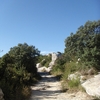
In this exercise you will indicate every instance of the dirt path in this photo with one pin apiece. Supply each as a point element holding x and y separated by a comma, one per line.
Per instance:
<point>49,88</point>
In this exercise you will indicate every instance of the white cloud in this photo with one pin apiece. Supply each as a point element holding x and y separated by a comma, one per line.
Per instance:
<point>45,52</point>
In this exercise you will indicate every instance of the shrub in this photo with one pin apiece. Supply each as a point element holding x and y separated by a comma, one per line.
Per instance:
<point>18,70</point>
<point>74,83</point>
<point>45,60</point>
<point>64,86</point>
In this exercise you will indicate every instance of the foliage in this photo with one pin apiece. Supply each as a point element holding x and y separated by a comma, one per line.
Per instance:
<point>17,69</point>
<point>74,83</point>
<point>85,44</point>
<point>70,67</point>
<point>64,86</point>
<point>60,64</point>
<point>44,60</point>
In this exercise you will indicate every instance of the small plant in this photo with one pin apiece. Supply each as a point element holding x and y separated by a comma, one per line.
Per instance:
<point>25,93</point>
<point>74,83</point>
<point>64,86</point>
<point>81,88</point>
<point>45,60</point>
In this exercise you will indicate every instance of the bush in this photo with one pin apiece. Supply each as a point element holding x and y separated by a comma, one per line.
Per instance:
<point>46,60</point>
<point>18,71</point>
<point>85,44</point>
<point>64,86</point>
<point>74,83</point>
<point>60,64</point>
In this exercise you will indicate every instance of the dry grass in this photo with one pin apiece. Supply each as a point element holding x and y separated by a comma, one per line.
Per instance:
<point>26,92</point>
<point>23,94</point>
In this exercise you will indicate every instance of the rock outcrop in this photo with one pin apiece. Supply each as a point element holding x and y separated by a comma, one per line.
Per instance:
<point>54,57</point>
<point>74,76</point>
<point>38,65</point>
<point>45,69</point>
<point>92,86</point>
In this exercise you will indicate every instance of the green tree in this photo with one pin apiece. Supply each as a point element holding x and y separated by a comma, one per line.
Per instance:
<point>18,69</point>
<point>85,44</point>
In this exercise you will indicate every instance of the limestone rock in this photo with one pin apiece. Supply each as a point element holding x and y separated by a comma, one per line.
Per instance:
<point>73,76</point>
<point>44,69</point>
<point>38,65</point>
<point>83,79</point>
<point>54,57</point>
<point>92,86</point>
<point>76,76</point>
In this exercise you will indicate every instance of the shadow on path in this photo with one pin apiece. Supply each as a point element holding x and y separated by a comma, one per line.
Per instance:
<point>46,89</point>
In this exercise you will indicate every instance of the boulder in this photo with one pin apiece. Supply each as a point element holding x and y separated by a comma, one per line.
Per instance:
<point>76,76</point>
<point>83,79</point>
<point>92,86</point>
<point>38,65</point>
<point>45,69</point>
<point>73,76</point>
<point>48,69</point>
<point>42,69</point>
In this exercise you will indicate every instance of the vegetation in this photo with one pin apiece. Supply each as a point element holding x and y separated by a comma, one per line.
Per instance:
<point>44,60</point>
<point>83,45</point>
<point>18,71</point>
<point>18,67</point>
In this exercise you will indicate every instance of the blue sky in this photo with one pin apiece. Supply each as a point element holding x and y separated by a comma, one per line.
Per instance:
<point>44,24</point>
